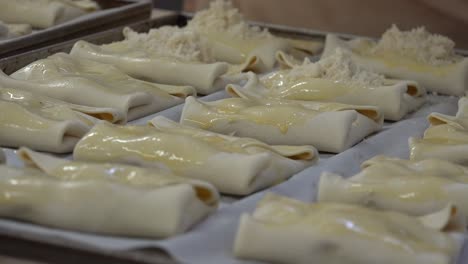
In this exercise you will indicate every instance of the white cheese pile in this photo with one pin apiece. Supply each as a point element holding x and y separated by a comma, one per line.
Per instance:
<point>337,67</point>
<point>222,16</point>
<point>170,41</point>
<point>417,44</point>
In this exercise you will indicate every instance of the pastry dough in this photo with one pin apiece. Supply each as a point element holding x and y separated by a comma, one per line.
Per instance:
<point>234,165</point>
<point>399,57</point>
<point>179,44</point>
<point>42,123</point>
<point>283,230</point>
<point>90,83</point>
<point>446,138</point>
<point>103,198</point>
<point>44,13</point>
<point>412,187</point>
<point>337,79</point>
<point>329,127</point>
<point>231,39</point>
<point>142,64</point>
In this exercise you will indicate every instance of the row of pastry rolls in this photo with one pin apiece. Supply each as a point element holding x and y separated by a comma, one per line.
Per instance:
<point>346,74</point>
<point>85,90</point>
<point>141,75</point>
<point>392,211</point>
<point>172,173</point>
<point>153,181</point>
<point>405,211</point>
<point>331,104</point>
<point>215,44</point>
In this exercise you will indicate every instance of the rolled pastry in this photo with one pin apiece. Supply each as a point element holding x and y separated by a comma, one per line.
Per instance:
<point>85,82</point>
<point>411,187</point>
<point>103,198</point>
<point>329,127</point>
<point>143,64</point>
<point>337,79</point>
<point>428,59</point>
<point>446,138</point>
<point>234,165</point>
<point>43,123</point>
<point>283,230</point>
<point>44,13</point>
<point>181,44</point>
<point>232,40</point>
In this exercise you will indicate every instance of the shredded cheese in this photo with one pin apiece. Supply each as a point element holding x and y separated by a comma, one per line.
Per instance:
<point>337,67</point>
<point>170,41</point>
<point>222,16</point>
<point>417,44</point>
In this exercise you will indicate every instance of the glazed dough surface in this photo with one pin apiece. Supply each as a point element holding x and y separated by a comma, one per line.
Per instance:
<point>234,165</point>
<point>284,230</point>
<point>84,196</point>
<point>446,138</point>
<point>330,127</point>
<point>412,187</point>
<point>89,83</point>
<point>231,39</point>
<point>41,123</point>
<point>337,79</point>
<point>441,75</point>
<point>142,64</point>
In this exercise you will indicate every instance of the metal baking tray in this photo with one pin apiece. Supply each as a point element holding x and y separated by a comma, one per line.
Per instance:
<point>56,249</point>
<point>113,13</point>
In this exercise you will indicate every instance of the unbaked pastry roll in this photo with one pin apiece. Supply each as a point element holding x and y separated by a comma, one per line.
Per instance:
<point>143,64</point>
<point>446,138</point>
<point>331,127</point>
<point>283,230</point>
<point>428,59</point>
<point>234,165</point>
<point>44,13</point>
<point>233,40</point>
<point>337,79</point>
<point>90,83</point>
<point>43,123</point>
<point>103,198</point>
<point>181,44</point>
<point>411,187</point>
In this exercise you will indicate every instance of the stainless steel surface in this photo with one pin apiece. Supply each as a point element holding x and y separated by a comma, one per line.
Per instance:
<point>123,12</point>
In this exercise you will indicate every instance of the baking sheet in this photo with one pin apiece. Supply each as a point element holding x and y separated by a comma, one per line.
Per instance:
<point>212,240</point>
<point>114,13</point>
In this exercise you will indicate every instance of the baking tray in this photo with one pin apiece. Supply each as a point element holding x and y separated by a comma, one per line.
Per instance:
<point>113,13</point>
<point>56,248</point>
